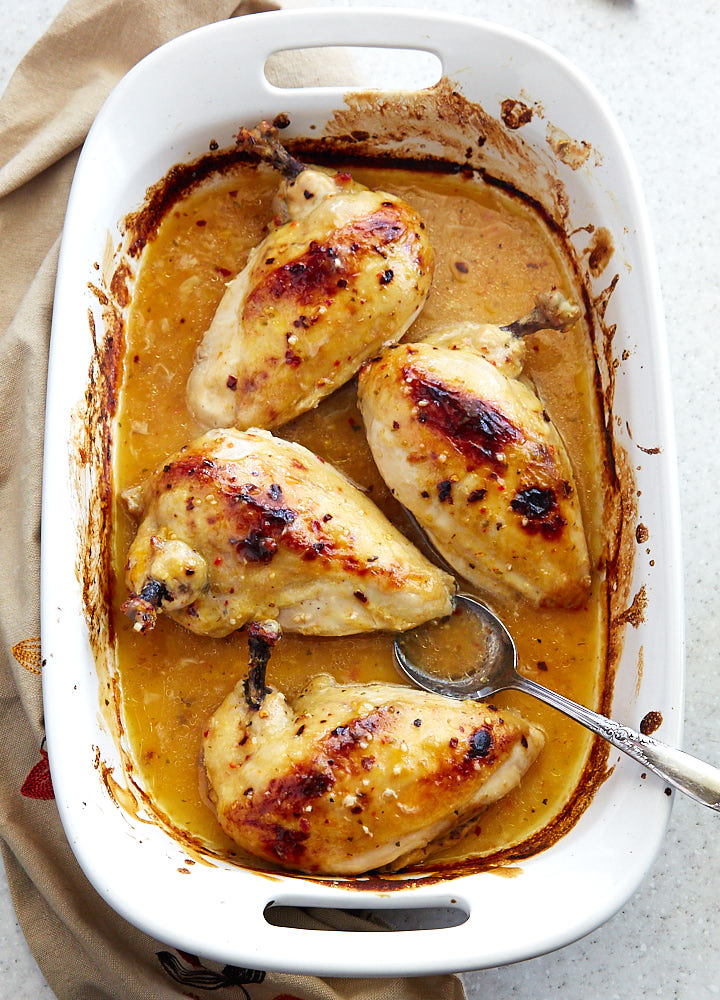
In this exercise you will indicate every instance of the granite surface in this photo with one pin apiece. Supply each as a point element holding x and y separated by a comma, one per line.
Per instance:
<point>657,65</point>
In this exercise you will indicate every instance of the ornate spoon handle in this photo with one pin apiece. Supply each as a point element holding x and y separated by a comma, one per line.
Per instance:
<point>698,779</point>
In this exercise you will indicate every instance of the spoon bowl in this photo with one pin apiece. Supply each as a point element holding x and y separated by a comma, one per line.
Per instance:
<point>471,655</point>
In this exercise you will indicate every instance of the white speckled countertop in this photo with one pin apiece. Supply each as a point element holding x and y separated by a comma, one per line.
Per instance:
<point>657,65</point>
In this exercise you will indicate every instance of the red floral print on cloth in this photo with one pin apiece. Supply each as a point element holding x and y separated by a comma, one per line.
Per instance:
<point>38,784</point>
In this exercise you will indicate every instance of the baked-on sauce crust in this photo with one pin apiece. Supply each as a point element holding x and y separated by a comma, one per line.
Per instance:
<point>493,254</point>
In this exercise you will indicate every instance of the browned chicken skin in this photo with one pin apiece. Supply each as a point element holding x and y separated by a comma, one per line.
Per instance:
<point>343,272</point>
<point>345,779</point>
<point>470,450</point>
<point>242,526</point>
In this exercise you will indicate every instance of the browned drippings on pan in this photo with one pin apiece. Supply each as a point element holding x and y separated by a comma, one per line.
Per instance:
<point>515,113</point>
<point>635,614</point>
<point>91,472</point>
<point>513,197</point>
<point>573,152</point>
<point>599,251</point>
<point>651,722</point>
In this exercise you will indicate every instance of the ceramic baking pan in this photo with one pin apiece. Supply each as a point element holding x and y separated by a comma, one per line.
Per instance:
<point>166,110</point>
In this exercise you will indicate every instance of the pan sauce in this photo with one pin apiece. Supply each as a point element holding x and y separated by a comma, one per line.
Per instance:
<point>492,256</point>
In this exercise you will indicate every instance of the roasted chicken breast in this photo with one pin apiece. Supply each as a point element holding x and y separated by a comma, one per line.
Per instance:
<point>344,779</point>
<point>242,526</point>
<point>343,272</point>
<point>471,451</point>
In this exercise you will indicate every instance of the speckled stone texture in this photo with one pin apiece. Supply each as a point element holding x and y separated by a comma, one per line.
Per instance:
<point>656,64</point>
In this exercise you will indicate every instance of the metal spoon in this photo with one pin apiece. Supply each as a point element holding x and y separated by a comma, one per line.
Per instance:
<point>495,669</point>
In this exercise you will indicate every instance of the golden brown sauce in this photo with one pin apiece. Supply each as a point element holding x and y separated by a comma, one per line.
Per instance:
<point>492,256</point>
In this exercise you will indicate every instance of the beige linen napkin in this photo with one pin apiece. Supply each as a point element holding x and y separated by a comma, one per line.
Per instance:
<point>84,949</point>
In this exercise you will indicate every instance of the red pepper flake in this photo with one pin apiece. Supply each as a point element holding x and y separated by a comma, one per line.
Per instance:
<point>218,561</point>
<point>136,358</point>
<point>292,359</point>
<point>386,276</point>
<point>224,271</point>
<point>454,742</point>
<point>360,596</point>
<point>395,425</point>
<point>233,194</point>
<point>462,266</point>
<point>201,222</point>
<point>231,382</point>
<point>343,177</point>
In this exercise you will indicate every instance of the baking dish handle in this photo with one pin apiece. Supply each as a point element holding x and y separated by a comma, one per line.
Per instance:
<point>404,938</point>
<point>358,28</point>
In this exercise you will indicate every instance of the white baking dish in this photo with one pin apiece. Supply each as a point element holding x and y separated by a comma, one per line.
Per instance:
<point>200,87</point>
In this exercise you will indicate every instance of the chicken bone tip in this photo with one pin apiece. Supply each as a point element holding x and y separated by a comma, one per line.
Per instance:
<point>262,636</point>
<point>263,141</point>
<point>552,312</point>
<point>142,609</point>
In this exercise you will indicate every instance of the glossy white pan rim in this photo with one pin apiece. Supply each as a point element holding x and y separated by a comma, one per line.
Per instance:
<point>224,920</point>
